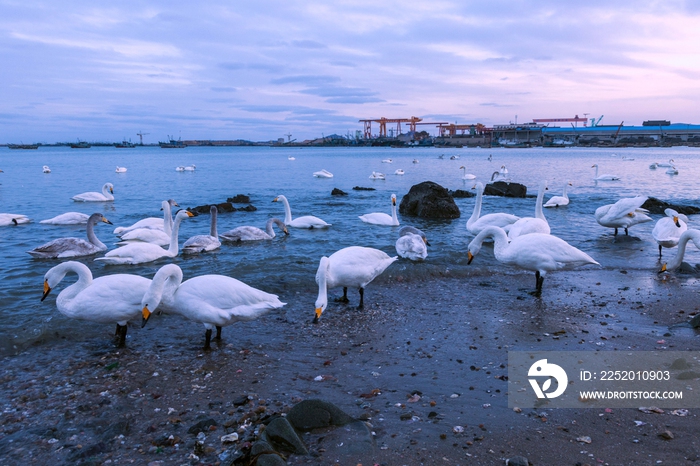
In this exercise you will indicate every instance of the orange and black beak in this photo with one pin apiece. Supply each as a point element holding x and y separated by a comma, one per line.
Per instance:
<point>663,269</point>
<point>675,220</point>
<point>470,256</point>
<point>47,290</point>
<point>319,311</point>
<point>146,315</point>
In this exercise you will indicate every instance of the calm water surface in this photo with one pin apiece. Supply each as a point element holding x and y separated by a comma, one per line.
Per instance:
<point>289,263</point>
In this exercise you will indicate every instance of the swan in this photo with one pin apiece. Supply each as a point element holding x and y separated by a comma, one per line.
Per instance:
<point>323,174</point>
<point>387,161</point>
<point>202,243</point>
<point>213,300</point>
<point>415,160</point>
<point>377,176</point>
<point>627,159</point>
<point>46,169</point>
<point>73,247</point>
<point>354,266</point>
<point>536,224</point>
<point>291,158</point>
<point>676,262</point>
<point>556,201</point>
<point>669,229</point>
<point>13,219</point>
<point>412,244</point>
<point>190,168</point>
<point>501,174</point>
<point>105,196</point>
<point>654,165</point>
<point>623,214</point>
<point>605,177</point>
<point>476,223</point>
<point>165,223</point>
<point>465,175</point>
<point>248,233</point>
<point>120,169</point>
<point>380,218</point>
<point>672,171</point>
<point>307,221</point>
<point>666,164</point>
<point>537,252</point>
<point>108,299</point>
<point>69,218</point>
<point>399,172</point>
<point>454,157</point>
<point>180,169</point>
<point>139,253</point>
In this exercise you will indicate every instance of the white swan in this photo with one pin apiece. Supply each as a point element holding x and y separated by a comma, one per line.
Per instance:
<point>108,299</point>
<point>380,218</point>
<point>537,252</point>
<point>415,160</point>
<point>557,201</point>
<point>672,171</point>
<point>291,158</point>
<point>668,229</point>
<point>248,233</point>
<point>605,177</point>
<point>13,219</point>
<point>536,224</point>
<point>73,247</point>
<point>46,169</point>
<point>307,221</point>
<point>139,253</point>
<point>377,176</point>
<point>399,172</point>
<point>354,266</point>
<point>412,244</point>
<point>666,164</point>
<point>213,300</point>
<point>387,161</point>
<point>476,223</point>
<point>180,169</point>
<point>165,223</point>
<point>120,169</point>
<point>106,195</point>
<point>465,175</point>
<point>623,214</point>
<point>69,218</point>
<point>627,159</point>
<point>454,157</point>
<point>203,243</point>
<point>323,174</point>
<point>676,262</point>
<point>190,168</point>
<point>654,165</point>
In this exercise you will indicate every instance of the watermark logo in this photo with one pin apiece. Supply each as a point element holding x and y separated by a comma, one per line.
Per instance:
<point>542,368</point>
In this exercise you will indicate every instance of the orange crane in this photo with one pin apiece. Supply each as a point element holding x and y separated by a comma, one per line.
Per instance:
<point>575,119</point>
<point>382,125</point>
<point>451,129</point>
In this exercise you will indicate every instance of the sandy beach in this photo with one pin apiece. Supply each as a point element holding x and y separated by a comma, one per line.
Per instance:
<point>446,340</point>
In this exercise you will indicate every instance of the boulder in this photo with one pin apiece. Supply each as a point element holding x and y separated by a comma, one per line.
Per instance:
<point>204,209</point>
<point>360,188</point>
<point>656,206</point>
<point>313,414</point>
<point>239,199</point>
<point>338,192</point>
<point>462,193</point>
<point>502,188</point>
<point>429,200</point>
<point>282,436</point>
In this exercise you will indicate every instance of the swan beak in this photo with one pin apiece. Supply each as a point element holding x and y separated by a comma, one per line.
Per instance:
<point>286,232</point>
<point>393,202</point>
<point>631,214</point>
<point>318,314</point>
<point>47,290</point>
<point>675,220</point>
<point>663,269</point>
<point>106,221</point>
<point>111,191</point>
<point>470,256</point>
<point>146,315</point>
<point>190,214</point>
<point>275,199</point>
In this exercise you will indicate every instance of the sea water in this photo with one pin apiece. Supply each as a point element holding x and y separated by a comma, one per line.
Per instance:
<point>288,263</point>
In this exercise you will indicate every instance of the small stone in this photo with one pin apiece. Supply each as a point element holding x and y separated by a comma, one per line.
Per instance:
<point>517,461</point>
<point>517,410</point>
<point>229,438</point>
<point>458,429</point>
<point>584,439</point>
<point>666,435</point>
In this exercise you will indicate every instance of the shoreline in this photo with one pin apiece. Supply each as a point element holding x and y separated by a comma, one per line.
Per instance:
<point>439,337</point>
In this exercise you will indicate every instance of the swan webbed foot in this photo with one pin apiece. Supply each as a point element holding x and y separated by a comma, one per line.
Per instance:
<point>362,299</point>
<point>122,336</point>
<point>344,299</point>
<point>218,333</point>
<point>207,341</point>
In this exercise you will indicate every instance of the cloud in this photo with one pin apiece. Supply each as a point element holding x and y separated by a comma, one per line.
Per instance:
<point>308,44</point>
<point>223,89</point>
<point>306,79</point>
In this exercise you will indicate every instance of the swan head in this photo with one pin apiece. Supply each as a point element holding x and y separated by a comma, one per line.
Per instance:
<point>663,269</point>
<point>98,217</point>
<point>145,315</point>
<point>183,214</point>
<point>322,300</point>
<point>393,199</point>
<point>47,289</point>
<point>462,167</point>
<point>279,198</point>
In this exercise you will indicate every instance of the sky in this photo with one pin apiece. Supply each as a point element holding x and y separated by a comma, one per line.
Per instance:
<point>104,71</point>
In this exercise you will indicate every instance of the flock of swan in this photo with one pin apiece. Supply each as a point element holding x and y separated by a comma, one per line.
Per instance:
<point>217,301</point>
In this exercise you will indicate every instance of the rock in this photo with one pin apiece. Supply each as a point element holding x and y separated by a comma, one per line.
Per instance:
<point>230,456</point>
<point>87,452</point>
<point>115,430</point>
<point>201,426</point>
<point>270,460</point>
<point>249,208</point>
<point>360,188</point>
<point>688,375</point>
<point>338,192</point>
<point>429,200</point>
<point>280,434</point>
<point>204,209</point>
<point>666,435</point>
<point>695,321</point>
<point>656,206</point>
<point>241,400</point>
<point>239,199</point>
<point>313,414</point>
<point>461,193</point>
<point>680,363</point>
<point>350,444</point>
<point>259,447</point>
<point>501,188</point>
<point>517,461</point>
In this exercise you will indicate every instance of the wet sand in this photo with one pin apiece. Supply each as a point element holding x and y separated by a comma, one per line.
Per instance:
<point>80,399</point>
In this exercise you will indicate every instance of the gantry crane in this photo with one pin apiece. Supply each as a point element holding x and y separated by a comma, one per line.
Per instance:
<point>141,134</point>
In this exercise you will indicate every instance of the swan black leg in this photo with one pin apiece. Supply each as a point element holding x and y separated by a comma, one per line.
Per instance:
<point>207,341</point>
<point>659,251</point>
<point>539,280</point>
<point>615,232</point>
<point>122,336</point>
<point>362,299</point>
<point>118,330</point>
<point>344,299</point>
<point>626,233</point>
<point>218,333</point>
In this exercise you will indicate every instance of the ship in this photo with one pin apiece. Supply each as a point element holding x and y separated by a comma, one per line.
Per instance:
<point>124,145</point>
<point>23,146</point>
<point>80,145</point>
<point>173,144</point>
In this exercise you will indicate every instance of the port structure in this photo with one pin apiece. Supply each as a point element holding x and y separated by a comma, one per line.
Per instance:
<point>141,134</point>
<point>450,129</point>
<point>412,123</point>
<point>575,119</point>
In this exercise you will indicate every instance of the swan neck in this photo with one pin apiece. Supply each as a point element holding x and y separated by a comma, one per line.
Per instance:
<point>163,287</point>
<point>287,211</point>
<point>167,218</point>
<point>174,249</point>
<point>268,228</point>
<point>500,242</point>
<point>538,207</point>
<point>84,280</point>
<point>106,193</point>
<point>92,237</point>
<point>682,243</point>
<point>322,283</point>
<point>477,206</point>
<point>393,213</point>
<point>213,231</point>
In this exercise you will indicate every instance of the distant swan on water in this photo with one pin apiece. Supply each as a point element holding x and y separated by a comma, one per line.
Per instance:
<point>107,195</point>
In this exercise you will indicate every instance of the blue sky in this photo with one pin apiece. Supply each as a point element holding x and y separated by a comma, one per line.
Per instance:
<point>260,70</point>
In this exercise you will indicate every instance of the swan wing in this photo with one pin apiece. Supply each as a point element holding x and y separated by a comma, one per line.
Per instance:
<point>501,220</point>
<point>666,231</point>
<point>200,243</point>
<point>69,218</point>
<point>147,235</point>
<point>556,201</point>
<point>411,246</point>
<point>112,298</point>
<point>357,266</point>
<point>544,253</point>
<point>308,221</point>
<point>134,253</point>
<point>378,218</point>
<point>244,233</point>
<point>150,223</point>
<point>10,219</point>
<point>528,225</point>
<point>64,248</point>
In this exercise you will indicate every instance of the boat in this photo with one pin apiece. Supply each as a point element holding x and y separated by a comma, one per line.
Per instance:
<point>80,145</point>
<point>172,144</point>
<point>23,146</point>
<point>124,145</point>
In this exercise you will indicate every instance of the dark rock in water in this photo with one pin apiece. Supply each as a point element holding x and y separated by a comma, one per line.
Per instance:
<point>656,206</point>
<point>429,200</point>
<point>313,414</point>
<point>338,192</point>
<point>259,447</point>
<point>501,188</point>
<point>282,436</point>
<point>249,208</point>
<point>239,199</point>
<point>517,461</point>
<point>461,193</point>
<point>204,209</point>
<point>686,268</point>
<point>270,460</point>
<point>360,188</point>
<point>351,444</point>
<point>201,426</point>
